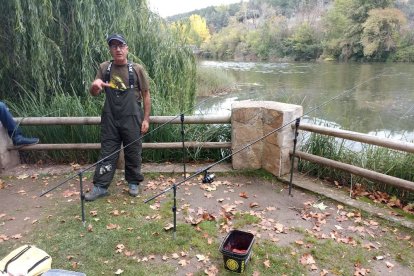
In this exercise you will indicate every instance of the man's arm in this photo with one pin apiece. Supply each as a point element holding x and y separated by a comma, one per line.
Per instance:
<point>147,110</point>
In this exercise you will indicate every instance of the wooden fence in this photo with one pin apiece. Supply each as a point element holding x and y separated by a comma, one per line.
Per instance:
<point>363,138</point>
<point>43,121</point>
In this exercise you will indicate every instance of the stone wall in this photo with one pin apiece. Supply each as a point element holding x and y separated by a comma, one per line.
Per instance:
<point>251,120</point>
<point>8,159</point>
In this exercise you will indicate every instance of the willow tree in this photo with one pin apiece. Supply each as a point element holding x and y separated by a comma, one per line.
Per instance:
<point>53,47</point>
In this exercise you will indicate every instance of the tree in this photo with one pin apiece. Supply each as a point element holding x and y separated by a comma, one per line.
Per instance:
<point>199,32</point>
<point>353,14</point>
<point>381,31</point>
<point>56,47</point>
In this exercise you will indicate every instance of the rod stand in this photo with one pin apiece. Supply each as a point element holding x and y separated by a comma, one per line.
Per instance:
<point>292,161</point>
<point>182,139</point>
<point>82,198</point>
<point>174,209</point>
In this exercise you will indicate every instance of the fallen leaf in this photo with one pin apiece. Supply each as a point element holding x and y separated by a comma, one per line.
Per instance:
<point>112,226</point>
<point>119,271</point>
<point>169,226</point>
<point>267,263</point>
<point>307,259</point>
<point>389,265</point>
<point>183,262</point>
<point>175,256</point>
<point>22,176</point>
<point>17,236</point>
<point>243,195</point>
<point>320,206</point>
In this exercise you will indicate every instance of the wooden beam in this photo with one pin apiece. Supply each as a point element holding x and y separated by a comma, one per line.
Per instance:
<point>215,119</point>
<point>359,137</point>
<point>383,178</point>
<point>96,146</point>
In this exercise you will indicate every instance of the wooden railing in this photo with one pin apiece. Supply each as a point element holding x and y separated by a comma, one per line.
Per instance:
<point>44,121</point>
<point>363,138</point>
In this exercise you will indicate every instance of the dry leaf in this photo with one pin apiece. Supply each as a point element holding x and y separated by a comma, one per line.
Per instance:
<point>307,259</point>
<point>90,228</point>
<point>119,271</point>
<point>389,265</point>
<point>267,263</point>
<point>112,226</point>
<point>169,226</point>
<point>175,256</point>
<point>183,262</point>
<point>23,176</point>
<point>17,236</point>
<point>243,195</point>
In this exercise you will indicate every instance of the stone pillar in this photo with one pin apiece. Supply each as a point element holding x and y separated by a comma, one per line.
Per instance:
<point>252,120</point>
<point>8,158</point>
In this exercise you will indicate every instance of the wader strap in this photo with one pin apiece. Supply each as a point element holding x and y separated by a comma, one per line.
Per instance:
<point>130,75</point>
<point>108,73</point>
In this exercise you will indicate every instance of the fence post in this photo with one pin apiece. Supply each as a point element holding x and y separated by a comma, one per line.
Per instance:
<point>252,119</point>
<point>8,158</point>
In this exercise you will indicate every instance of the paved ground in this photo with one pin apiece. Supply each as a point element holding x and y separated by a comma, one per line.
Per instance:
<point>21,206</point>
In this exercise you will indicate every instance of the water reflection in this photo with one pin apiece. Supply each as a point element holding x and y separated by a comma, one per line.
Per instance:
<point>369,98</point>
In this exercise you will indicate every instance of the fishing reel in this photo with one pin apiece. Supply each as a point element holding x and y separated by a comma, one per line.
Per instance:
<point>208,177</point>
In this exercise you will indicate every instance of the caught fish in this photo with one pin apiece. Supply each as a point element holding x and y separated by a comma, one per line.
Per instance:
<point>117,83</point>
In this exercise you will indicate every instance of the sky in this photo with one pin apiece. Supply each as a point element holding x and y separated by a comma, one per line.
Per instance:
<point>171,7</point>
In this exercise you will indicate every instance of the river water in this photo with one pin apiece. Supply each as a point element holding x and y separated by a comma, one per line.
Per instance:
<point>375,98</point>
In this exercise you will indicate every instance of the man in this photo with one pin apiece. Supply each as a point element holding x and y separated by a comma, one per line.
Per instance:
<point>6,119</point>
<point>126,87</point>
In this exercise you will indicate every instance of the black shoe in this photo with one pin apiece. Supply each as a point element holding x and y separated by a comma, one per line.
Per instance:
<point>20,140</point>
<point>134,189</point>
<point>96,192</point>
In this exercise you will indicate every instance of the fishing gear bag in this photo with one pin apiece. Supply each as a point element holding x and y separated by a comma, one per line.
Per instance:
<point>26,260</point>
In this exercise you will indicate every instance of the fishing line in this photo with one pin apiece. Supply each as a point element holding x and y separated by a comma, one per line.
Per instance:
<point>263,137</point>
<point>123,147</point>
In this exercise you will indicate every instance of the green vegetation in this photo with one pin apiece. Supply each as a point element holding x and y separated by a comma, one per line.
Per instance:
<point>344,30</point>
<point>212,81</point>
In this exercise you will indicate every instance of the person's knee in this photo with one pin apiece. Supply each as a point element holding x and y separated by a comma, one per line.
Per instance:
<point>3,106</point>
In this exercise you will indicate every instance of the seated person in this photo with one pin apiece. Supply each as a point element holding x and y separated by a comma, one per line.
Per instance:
<point>6,119</point>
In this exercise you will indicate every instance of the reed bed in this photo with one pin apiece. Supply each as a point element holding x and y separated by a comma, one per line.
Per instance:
<point>379,159</point>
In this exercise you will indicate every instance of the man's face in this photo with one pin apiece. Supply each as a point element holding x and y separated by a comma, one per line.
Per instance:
<point>119,52</point>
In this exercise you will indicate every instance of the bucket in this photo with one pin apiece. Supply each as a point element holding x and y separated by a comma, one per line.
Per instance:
<point>236,249</point>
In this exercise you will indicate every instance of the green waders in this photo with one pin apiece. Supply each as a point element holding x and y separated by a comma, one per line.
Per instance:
<point>120,123</point>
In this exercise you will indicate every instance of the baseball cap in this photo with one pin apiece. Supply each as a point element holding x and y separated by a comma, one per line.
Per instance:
<point>117,37</point>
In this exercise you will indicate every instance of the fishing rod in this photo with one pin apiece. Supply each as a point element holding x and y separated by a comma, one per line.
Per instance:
<point>205,170</point>
<point>80,173</point>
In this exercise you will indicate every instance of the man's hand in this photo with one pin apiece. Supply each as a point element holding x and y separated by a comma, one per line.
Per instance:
<point>144,126</point>
<point>97,86</point>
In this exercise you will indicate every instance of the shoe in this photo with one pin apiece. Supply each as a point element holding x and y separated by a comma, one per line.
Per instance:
<point>96,192</point>
<point>134,189</point>
<point>20,140</point>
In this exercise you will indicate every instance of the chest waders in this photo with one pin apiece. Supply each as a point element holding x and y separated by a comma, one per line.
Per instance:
<point>120,123</point>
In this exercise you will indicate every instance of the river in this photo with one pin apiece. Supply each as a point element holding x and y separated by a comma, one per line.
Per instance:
<point>373,98</point>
